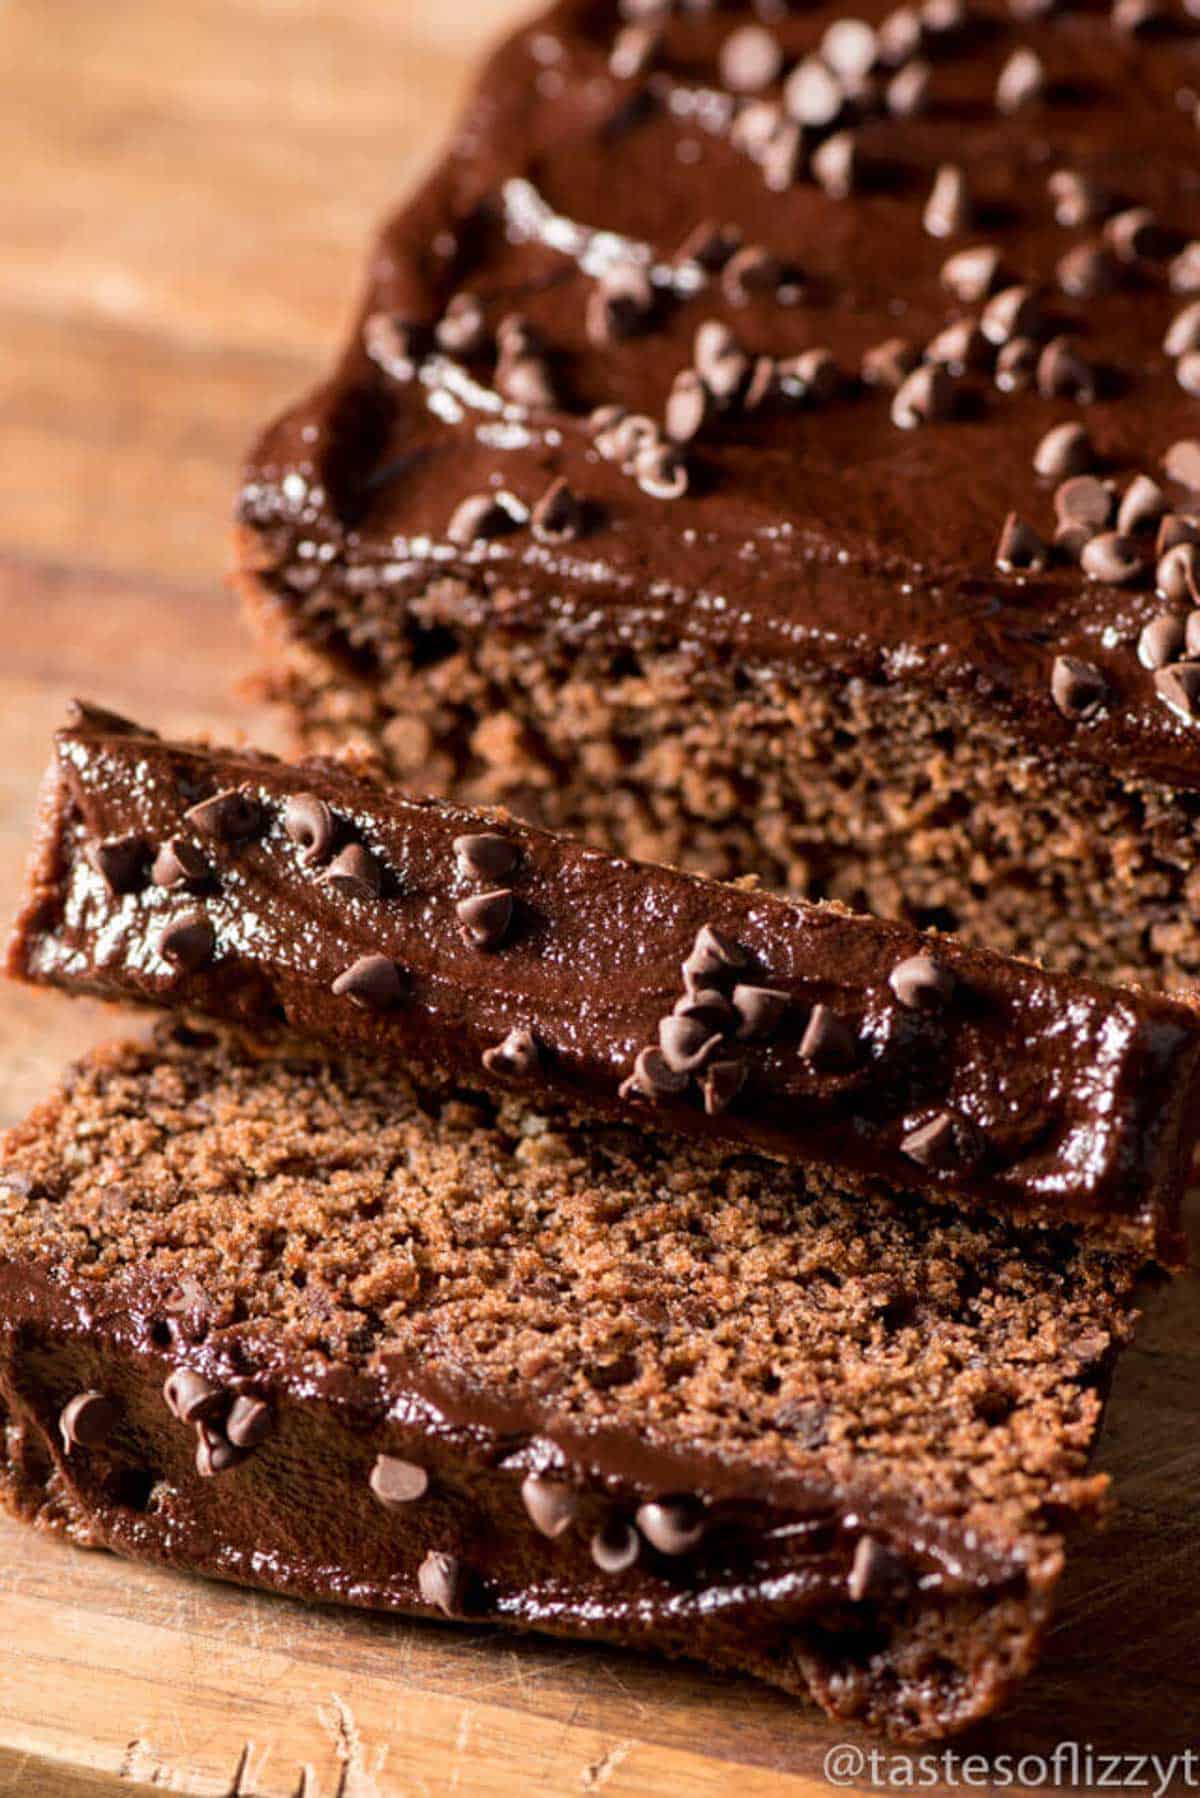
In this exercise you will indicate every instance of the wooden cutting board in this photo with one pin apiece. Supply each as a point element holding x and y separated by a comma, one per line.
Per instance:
<point>185,193</point>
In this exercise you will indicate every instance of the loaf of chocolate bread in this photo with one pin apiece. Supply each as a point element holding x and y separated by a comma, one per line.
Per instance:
<point>317,1329</point>
<point>770,445</point>
<point>484,952</point>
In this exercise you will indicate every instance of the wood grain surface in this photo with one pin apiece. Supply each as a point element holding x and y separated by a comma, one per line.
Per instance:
<point>186,190</point>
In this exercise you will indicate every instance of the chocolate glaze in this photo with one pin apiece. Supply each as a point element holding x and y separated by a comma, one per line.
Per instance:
<point>1076,1101</point>
<point>823,537</point>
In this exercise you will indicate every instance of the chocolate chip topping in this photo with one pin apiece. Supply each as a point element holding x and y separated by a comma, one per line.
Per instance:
<point>517,1056</point>
<point>1077,687</point>
<point>714,956</point>
<point>1083,499</point>
<point>558,515</point>
<point>837,165</point>
<point>925,397</point>
<point>485,855</point>
<point>551,1505</point>
<point>875,1572</point>
<point>1016,365</point>
<point>250,1422</point>
<point>708,1007</point>
<point>1088,269</point>
<point>633,52</point>
<point>959,347</point>
<point>396,1483</point>
<point>721,1084</point>
<point>947,1142</point>
<point>1135,234</point>
<point>1065,449</point>
<point>907,93</point>
<point>1182,463</point>
<point>661,471</point>
<point>229,817</point>
<point>687,407</point>
<point>1112,558</point>
<point>828,1042</point>
<point>373,982</point>
<point>442,1582</point>
<point>462,329</point>
<point>949,210</point>
<point>486,917</point>
<point>615,1547</point>
<point>751,59</point>
<point>477,518</point>
<point>178,863</point>
<point>922,983</point>
<point>120,862</point>
<point>1013,312</point>
<point>759,1009</point>
<point>215,1454</point>
<point>1161,641</point>
<point>1077,199</point>
<point>355,872</point>
<point>620,303</point>
<point>1020,546</point>
<point>189,942</point>
<point>1022,81</point>
<point>87,1420</point>
<point>1142,505</point>
<point>1063,373</point>
<point>1179,688</point>
<point>887,364</point>
<point>654,1078</point>
<point>525,381</point>
<point>1184,272</point>
<point>191,1397</point>
<point>686,1043</point>
<point>1183,333</point>
<point>970,275</point>
<point>393,344</point>
<point>672,1526</point>
<point>1177,573</point>
<point>813,95</point>
<point>309,824</point>
<point>751,273</point>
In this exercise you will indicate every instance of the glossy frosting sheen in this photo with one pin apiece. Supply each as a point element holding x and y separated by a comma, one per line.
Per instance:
<point>1077,1100</point>
<point>815,534</point>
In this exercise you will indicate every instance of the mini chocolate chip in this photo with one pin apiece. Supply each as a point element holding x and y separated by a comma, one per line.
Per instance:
<point>811,376</point>
<point>462,330</point>
<point>709,244</point>
<point>633,51</point>
<point>946,1142</point>
<point>875,1572</point>
<point>477,518</point>
<point>653,1078</point>
<point>1070,541</point>
<point>673,1526</point>
<point>714,956</point>
<point>1175,573</point>
<point>1135,234</point>
<point>1182,463</point>
<point>782,157</point>
<point>442,1582</point>
<point>189,943</point>
<point>763,383</point>
<point>686,1043</point>
<point>1078,688</point>
<point>308,822</point>
<point>1062,373</point>
<point>1088,270</point>
<point>1187,373</point>
<point>228,817</point>
<point>486,917</point>
<point>687,407</point>
<point>1161,641</point>
<point>715,344</point>
<point>971,274</point>
<point>949,209</point>
<point>525,381</point>
<point>1113,559</point>
<point>1183,334</point>
<point>750,59</point>
<point>922,983</point>
<point>516,1057</point>
<point>1013,312</point>
<point>551,1505</point>
<point>1084,500</point>
<point>1020,547</point>
<point>851,48</point>
<point>1176,528</point>
<point>943,18</point>
<point>615,1547</point>
<point>620,303</point>
<point>907,93</point>
<point>396,1483</point>
<point>1142,505</point>
<point>756,126</point>
<point>836,165</point>
<point>215,1453</point>
<point>373,982</point>
<point>828,1042</point>
<point>1137,17</point>
<point>1022,81</point>
<point>899,36</point>
<point>759,1009</point>
<point>516,336</point>
<point>355,872</point>
<point>887,364</point>
<point>1016,365</point>
<point>961,346</point>
<point>485,855</point>
<point>87,1420</point>
<point>1076,198</point>
<point>558,515</point>
<point>1179,688</point>
<point>1066,449</point>
<point>250,1421</point>
<point>752,272</point>
<point>393,344</point>
<point>1184,272</point>
<point>708,1007</point>
<point>1191,636</point>
<point>721,1084</point>
<point>120,862</point>
<point>813,95</point>
<point>626,439</point>
<point>191,1397</point>
<point>924,397</point>
<point>661,471</point>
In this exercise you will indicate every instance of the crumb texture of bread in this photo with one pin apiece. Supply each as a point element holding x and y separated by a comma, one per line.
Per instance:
<point>867,1426</point>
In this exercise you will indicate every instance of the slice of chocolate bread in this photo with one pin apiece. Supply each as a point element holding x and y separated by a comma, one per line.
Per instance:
<point>487,952</point>
<point>315,1329</point>
<point>772,447</point>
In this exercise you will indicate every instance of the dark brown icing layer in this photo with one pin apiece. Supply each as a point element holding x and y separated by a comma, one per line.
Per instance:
<point>816,533</point>
<point>865,1048</point>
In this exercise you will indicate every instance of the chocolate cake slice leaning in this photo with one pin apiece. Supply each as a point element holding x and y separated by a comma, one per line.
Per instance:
<point>317,1329</point>
<point>484,952</point>
<point>771,445</point>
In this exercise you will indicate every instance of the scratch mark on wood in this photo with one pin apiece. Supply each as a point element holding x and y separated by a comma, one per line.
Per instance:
<point>356,1779</point>
<point>599,1772</point>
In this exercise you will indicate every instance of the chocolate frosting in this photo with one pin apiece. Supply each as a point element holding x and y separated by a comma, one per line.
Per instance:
<point>877,1054</point>
<point>816,534</point>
